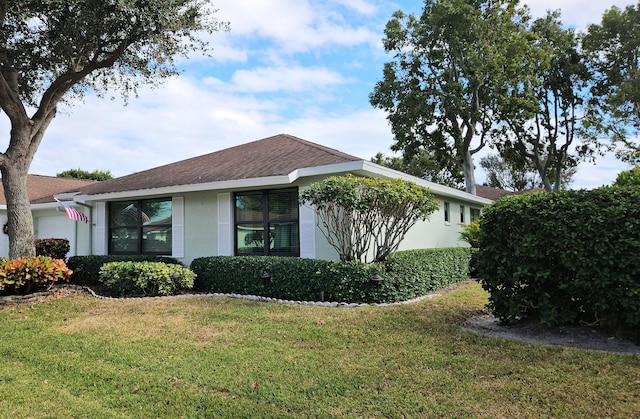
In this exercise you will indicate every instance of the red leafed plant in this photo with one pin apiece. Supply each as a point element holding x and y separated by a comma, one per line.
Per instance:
<point>24,275</point>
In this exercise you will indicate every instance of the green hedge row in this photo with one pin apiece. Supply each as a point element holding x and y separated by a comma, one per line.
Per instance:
<point>405,275</point>
<point>86,269</point>
<point>563,257</point>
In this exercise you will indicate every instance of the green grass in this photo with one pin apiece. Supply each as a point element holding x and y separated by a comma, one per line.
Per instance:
<point>209,357</point>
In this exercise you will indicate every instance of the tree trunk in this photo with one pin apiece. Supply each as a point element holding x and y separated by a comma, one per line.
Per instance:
<point>468,170</point>
<point>19,218</point>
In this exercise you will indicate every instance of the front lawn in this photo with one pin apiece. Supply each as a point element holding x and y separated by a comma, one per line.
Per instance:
<point>216,357</point>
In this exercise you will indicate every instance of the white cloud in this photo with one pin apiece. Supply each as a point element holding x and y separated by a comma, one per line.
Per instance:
<point>294,25</point>
<point>283,79</point>
<point>576,13</point>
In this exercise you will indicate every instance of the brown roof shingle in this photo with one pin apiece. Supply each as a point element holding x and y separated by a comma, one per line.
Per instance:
<point>41,189</point>
<point>272,156</point>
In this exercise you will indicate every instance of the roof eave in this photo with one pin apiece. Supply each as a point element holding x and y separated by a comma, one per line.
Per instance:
<point>362,167</point>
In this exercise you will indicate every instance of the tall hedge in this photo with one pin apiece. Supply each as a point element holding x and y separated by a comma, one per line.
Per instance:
<point>564,257</point>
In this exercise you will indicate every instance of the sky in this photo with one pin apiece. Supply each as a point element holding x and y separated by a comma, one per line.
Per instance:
<point>300,67</point>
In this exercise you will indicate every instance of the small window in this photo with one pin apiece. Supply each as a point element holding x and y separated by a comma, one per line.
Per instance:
<point>475,214</point>
<point>447,212</point>
<point>462,214</point>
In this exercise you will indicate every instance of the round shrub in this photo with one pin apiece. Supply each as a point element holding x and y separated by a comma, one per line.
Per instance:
<point>563,257</point>
<point>146,278</point>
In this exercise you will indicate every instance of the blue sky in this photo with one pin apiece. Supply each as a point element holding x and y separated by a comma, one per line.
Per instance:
<point>301,67</point>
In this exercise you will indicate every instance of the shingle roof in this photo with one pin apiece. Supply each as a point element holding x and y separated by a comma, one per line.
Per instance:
<point>41,189</point>
<point>490,192</point>
<point>495,193</point>
<point>272,156</point>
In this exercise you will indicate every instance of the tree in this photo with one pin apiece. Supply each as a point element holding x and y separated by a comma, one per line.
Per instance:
<point>614,56</point>
<point>451,67</point>
<point>516,174</point>
<point>83,174</point>
<point>425,166</point>
<point>628,178</point>
<point>504,174</point>
<point>58,50</point>
<point>356,214</point>
<point>541,121</point>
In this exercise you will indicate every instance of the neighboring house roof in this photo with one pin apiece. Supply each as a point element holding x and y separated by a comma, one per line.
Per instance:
<point>273,156</point>
<point>495,193</point>
<point>491,193</point>
<point>41,189</point>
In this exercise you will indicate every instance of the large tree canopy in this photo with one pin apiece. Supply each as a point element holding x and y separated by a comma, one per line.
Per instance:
<point>614,50</point>
<point>53,50</point>
<point>451,67</point>
<point>541,120</point>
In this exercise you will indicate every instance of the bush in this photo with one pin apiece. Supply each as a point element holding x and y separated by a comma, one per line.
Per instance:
<point>470,233</point>
<point>53,248</point>
<point>146,278</point>
<point>563,257</point>
<point>86,269</point>
<point>25,275</point>
<point>405,275</point>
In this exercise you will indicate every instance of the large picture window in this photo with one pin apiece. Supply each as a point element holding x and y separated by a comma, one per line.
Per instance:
<point>140,227</point>
<point>266,223</point>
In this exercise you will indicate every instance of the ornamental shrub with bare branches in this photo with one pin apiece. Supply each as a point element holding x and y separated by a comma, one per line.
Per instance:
<point>367,217</point>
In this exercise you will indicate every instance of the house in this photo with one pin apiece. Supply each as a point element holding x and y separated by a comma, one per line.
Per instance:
<point>49,217</point>
<point>241,201</point>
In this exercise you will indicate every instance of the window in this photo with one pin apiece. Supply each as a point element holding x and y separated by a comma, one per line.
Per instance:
<point>462,214</point>
<point>266,223</point>
<point>447,212</point>
<point>475,214</point>
<point>140,227</point>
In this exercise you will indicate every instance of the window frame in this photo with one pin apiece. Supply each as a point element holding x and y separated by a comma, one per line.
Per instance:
<point>475,214</point>
<point>266,222</point>
<point>447,212</point>
<point>140,227</point>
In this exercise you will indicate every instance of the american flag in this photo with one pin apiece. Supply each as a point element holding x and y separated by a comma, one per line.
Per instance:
<point>73,213</point>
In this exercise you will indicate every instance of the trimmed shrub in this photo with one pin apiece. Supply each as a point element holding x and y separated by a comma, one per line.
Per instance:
<point>405,275</point>
<point>146,278</point>
<point>563,257</point>
<point>86,269</point>
<point>25,275</point>
<point>53,248</point>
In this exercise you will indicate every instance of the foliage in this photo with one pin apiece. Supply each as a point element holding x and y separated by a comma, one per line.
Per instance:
<point>514,173</point>
<point>542,116</point>
<point>628,178</point>
<point>424,164</point>
<point>614,56</point>
<point>362,214</point>
<point>84,174</point>
<point>86,269</point>
<point>470,233</point>
<point>451,68</point>
<point>146,278</point>
<point>54,248</point>
<point>405,275</point>
<point>24,275</point>
<point>56,51</point>
<point>563,257</point>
